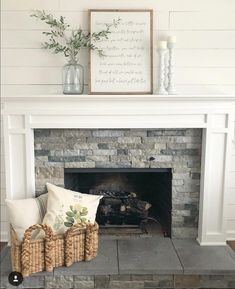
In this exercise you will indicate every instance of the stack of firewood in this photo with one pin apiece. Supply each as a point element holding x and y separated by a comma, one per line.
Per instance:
<point>121,208</point>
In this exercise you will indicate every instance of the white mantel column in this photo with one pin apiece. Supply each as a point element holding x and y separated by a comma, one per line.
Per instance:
<point>214,184</point>
<point>19,156</point>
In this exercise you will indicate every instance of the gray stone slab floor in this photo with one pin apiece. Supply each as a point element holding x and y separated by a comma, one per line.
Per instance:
<point>125,259</point>
<point>154,255</point>
<point>106,263</point>
<point>198,259</point>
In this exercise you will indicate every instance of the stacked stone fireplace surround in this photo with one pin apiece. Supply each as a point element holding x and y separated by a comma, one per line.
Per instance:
<point>178,149</point>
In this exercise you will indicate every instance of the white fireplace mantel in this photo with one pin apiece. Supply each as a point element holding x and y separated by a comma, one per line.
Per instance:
<point>213,113</point>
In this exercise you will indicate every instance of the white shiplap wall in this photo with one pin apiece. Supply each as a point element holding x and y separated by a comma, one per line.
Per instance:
<point>205,55</point>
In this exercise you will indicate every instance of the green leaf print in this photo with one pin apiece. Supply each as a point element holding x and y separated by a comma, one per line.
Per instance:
<point>70,214</point>
<point>67,224</point>
<point>76,214</point>
<point>69,219</point>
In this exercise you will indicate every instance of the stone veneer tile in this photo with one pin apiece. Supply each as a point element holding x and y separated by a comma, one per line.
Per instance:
<point>60,282</point>
<point>127,284</point>
<point>187,281</point>
<point>178,149</point>
<point>102,281</point>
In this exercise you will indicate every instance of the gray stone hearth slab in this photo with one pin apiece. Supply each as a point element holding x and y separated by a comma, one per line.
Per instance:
<point>154,255</point>
<point>106,263</point>
<point>5,251</point>
<point>231,252</point>
<point>34,281</point>
<point>198,259</point>
<point>5,268</point>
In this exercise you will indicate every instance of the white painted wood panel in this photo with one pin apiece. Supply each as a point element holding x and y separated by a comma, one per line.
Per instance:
<point>194,75</point>
<point>232,162</point>
<point>231,226</point>
<point>37,57</point>
<point>231,212</point>
<point>205,57</point>
<point>176,5</point>
<point>33,75</point>
<point>232,181</point>
<point>52,75</point>
<point>3,213</point>
<point>30,89</point>
<point>213,210</point>
<point>185,39</point>
<point>231,196</point>
<point>29,4</point>
<point>21,20</point>
<point>183,58</point>
<point>205,39</point>
<point>203,20</point>
<point>4,231</point>
<point>3,193</point>
<point>17,150</point>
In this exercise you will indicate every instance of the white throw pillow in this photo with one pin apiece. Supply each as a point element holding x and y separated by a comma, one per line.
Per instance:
<point>25,213</point>
<point>66,207</point>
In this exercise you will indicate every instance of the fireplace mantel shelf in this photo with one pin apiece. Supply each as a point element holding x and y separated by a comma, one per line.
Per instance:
<point>153,97</point>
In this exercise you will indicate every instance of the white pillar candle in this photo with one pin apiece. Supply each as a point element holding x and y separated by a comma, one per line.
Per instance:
<point>162,45</point>
<point>171,39</point>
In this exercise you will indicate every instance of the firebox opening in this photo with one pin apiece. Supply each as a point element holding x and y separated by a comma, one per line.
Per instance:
<point>134,199</point>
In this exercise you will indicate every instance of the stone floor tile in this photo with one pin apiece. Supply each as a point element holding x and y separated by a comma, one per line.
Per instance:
<point>198,259</point>
<point>34,282</point>
<point>105,263</point>
<point>4,252</point>
<point>154,255</point>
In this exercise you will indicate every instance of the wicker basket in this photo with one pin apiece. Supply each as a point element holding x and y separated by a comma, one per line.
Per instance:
<point>79,243</point>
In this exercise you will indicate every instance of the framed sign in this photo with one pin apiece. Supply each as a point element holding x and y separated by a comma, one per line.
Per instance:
<point>127,65</point>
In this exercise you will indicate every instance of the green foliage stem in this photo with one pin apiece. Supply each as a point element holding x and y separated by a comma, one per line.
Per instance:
<point>69,45</point>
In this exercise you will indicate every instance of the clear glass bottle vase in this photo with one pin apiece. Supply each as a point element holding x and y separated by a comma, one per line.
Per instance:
<point>73,78</point>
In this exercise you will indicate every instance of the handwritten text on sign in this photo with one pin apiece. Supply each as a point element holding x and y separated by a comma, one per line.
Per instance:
<point>126,66</point>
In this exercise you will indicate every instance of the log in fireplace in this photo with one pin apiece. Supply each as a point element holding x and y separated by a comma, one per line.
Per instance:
<point>132,198</point>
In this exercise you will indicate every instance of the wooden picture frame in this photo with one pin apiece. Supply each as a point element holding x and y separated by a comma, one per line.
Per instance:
<point>132,41</point>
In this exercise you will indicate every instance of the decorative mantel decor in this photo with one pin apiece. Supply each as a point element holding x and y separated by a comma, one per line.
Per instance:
<point>60,42</point>
<point>128,65</point>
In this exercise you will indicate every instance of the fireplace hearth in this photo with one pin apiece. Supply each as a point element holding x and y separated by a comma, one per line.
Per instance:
<point>132,198</point>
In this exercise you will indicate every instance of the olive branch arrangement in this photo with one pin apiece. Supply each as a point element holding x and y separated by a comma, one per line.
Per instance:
<point>69,45</point>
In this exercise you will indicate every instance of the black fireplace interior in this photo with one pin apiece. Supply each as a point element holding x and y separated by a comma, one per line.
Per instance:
<point>132,197</point>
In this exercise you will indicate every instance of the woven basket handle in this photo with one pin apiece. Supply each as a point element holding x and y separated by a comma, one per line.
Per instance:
<point>75,228</point>
<point>29,231</point>
<point>25,255</point>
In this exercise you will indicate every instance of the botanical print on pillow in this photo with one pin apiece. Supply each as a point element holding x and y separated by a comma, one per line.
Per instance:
<point>75,215</point>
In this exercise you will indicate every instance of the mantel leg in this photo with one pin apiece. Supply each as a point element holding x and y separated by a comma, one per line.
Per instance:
<point>19,157</point>
<point>216,144</point>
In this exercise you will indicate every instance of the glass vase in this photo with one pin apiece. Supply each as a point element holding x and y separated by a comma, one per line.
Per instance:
<point>73,78</point>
